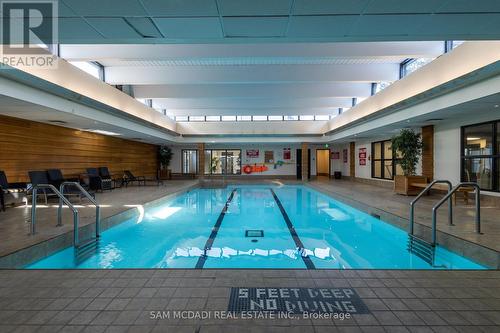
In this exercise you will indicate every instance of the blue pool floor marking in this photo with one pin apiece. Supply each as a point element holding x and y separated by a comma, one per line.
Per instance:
<point>215,230</point>
<point>307,261</point>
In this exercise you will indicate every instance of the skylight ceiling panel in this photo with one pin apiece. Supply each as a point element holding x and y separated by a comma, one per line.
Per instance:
<point>328,7</point>
<point>188,8</point>
<point>255,26</point>
<point>320,26</point>
<point>113,27</point>
<point>199,28</point>
<point>111,8</point>
<point>254,7</point>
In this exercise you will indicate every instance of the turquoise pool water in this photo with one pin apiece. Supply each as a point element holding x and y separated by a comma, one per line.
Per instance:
<point>302,228</point>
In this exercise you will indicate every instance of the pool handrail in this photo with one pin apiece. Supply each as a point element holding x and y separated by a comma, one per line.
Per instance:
<point>76,240</point>
<point>62,198</point>
<point>448,196</point>
<point>427,189</point>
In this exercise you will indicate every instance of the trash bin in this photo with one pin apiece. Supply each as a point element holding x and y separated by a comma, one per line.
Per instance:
<point>337,175</point>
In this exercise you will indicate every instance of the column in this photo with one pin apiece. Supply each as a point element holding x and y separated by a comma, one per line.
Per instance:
<point>305,162</point>
<point>352,160</point>
<point>428,152</point>
<point>201,160</point>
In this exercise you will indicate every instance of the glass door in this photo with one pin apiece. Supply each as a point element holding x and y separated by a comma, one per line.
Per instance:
<point>190,161</point>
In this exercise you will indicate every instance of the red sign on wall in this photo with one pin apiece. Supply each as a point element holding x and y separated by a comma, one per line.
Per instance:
<point>287,154</point>
<point>252,153</point>
<point>345,153</point>
<point>362,156</point>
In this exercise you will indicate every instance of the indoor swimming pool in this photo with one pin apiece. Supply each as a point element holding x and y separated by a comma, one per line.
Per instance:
<point>254,226</point>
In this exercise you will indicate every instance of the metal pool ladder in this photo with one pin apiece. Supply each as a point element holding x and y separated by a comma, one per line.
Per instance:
<point>82,249</point>
<point>423,248</point>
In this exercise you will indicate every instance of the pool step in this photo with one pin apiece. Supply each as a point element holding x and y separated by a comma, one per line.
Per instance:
<point>86,250</point>
<point>421,248</point>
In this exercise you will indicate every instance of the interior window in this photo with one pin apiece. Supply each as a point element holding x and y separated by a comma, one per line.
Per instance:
<point>383,162</point>
<point>223,162</point>
<point>481,155</point>
<point>190,161</point>
<point>478,140</point>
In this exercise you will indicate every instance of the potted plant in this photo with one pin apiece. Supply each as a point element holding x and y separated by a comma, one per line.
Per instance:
<point>164,158</point>
<point>214,164</point>
<point>408,147</point>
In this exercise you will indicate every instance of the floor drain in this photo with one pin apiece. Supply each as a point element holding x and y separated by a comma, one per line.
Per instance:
<point>254,233</point>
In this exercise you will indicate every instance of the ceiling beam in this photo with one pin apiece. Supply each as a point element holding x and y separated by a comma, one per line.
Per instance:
<point>252,74</point>
<point>236,104</point>
<point>254,112</point>
<point>290,90</point>
<point>368,50</point>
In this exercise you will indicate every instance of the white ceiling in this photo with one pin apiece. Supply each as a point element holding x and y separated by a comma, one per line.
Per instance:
<point>188,21</point>
<point>252,79</point>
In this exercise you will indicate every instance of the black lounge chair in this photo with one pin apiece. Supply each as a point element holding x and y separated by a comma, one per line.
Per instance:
<point>129,178</point>
<point>56,178</point>
<point>7,188</point>
<point>38,178</point>
<point>96,182</point>
<point>105,174</point>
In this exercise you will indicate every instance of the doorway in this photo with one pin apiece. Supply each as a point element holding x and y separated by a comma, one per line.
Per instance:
<point>323,162</point>
<point>299,164</point>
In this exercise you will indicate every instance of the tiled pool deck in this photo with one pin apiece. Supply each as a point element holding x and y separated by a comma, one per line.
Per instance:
<point>121,300</point>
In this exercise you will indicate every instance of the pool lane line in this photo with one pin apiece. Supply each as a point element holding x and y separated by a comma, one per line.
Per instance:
<point>307,261</point>
<point>215,230</point>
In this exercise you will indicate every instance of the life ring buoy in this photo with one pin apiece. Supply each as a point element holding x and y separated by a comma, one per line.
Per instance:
<point>247,169</point>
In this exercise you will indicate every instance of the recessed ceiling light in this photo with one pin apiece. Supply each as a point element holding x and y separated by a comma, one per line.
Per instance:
<point>103,132</point>
<point>497,105</point>
<point>58,122</point>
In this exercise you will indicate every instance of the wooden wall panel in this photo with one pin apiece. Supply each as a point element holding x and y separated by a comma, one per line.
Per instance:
<point>27,145</point>
<point>428,152</point>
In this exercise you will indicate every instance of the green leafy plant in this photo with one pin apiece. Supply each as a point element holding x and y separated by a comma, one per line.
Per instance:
<point>164,156</point>
<point>214,164</point>
<point>408,147</point>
